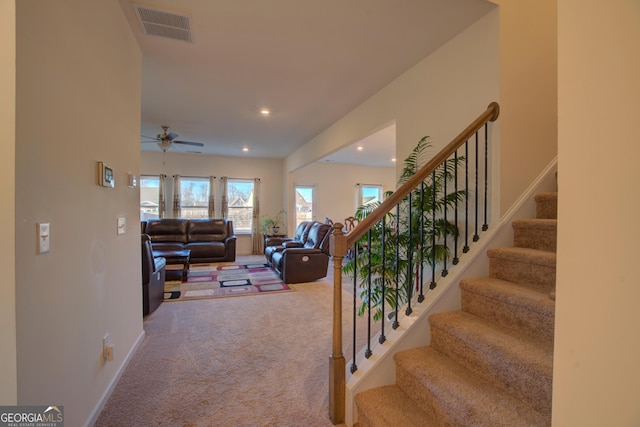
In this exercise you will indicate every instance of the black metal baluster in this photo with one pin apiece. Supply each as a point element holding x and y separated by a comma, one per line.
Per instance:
<point>368,352</point>
<point>353,366</point>
<point>444,267</point>
<point>421,248</point>
<point>475,236</point>
<point>395,322</point>
<point>465,249</point>
<point>433,231</point>
<point>382,337</point>
<point>409,283</point>
<point>456,260</point>
<point>485,226</point>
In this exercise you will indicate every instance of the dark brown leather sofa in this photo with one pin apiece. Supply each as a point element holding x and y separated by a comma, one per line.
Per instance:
<point>303,258</point>
<point>153,276</point>
<point>209,240</point>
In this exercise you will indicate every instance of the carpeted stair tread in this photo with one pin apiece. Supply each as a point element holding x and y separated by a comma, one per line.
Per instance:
<point>547,205</point>
<point>456,396</point>
<point>491,363</point>
<point>526,266</point>
<point>511,305</point>
<point>390,406</point>
<point>509,359</point>
<point>535,234</point>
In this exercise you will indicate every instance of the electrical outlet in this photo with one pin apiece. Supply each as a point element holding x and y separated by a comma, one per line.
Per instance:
<point>109,353</point>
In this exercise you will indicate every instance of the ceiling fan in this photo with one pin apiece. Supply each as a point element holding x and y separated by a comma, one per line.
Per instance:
<point>166,140</point>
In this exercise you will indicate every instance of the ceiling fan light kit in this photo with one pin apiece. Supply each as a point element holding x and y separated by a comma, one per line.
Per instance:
<point>166,140</point>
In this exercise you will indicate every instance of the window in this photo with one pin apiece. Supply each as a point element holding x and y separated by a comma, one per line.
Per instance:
<point>369,193</point>
<point>305,203</point>
<point>194,197</point>
<point>240,203</point>
<point>149,197</point>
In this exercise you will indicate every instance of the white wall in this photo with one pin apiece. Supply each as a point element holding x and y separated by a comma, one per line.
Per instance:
<point>438,97</point>
<point>528,93</point>
<point>510,55</point>
<point>268,170</point>
<point>335,185</point>
<point>78,102</point>
<point>596,378</point>
<point>8,367</point>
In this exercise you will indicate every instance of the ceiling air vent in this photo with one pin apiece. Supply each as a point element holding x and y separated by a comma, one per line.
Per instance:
<point>164,24</point>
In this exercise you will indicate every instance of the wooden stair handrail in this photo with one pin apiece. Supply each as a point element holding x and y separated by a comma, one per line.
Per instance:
<point>340,242</point>
<point>489,115</point>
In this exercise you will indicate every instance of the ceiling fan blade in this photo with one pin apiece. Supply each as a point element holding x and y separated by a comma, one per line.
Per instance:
<point>154,140</point>
<point>196,144</point>
<point>171,136</point>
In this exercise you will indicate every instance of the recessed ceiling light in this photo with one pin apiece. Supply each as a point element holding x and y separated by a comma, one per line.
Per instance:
<point>393,159</point>
<point>265,111</point>
<point>360,148</point>
<point>245,149</point>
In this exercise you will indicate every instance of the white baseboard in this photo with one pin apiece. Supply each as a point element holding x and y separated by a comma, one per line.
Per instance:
<point>114,381</point>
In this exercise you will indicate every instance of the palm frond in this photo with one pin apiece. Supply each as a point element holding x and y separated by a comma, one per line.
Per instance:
<point>417,232</point>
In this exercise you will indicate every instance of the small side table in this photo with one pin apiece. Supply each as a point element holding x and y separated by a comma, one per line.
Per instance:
<point>176,257</point>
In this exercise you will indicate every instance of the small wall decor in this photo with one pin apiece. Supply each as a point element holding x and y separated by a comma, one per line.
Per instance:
<point>105,174</point>
<point>132,181</point>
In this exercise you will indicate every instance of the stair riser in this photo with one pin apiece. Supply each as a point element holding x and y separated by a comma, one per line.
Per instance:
<point>547,206</point>
<point>535,324</point>
<point>535,238</point>
<point>540,276</point>
<point>529,383</point>
<point>458,409</point>
<point>421,395</point>
<point>364,421</point>
<point>389,406</point>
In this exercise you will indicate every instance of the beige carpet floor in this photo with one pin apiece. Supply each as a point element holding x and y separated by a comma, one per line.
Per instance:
<point>257,360</point>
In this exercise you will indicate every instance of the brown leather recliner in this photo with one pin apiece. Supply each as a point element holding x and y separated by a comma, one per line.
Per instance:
<point>304,263</point>
<point>153,276</point>
<point>278,244</point>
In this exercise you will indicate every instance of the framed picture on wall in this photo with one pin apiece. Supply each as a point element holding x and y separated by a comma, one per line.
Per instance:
<point>105,175</point>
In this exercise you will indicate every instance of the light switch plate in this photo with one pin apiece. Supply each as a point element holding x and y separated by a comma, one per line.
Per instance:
<point>44,237</point>
<point>122,227</point>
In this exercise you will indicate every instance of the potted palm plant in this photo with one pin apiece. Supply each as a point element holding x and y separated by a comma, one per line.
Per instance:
<point>398,246</point>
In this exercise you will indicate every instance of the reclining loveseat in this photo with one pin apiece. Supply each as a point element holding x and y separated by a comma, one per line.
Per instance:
<point>302,258</point>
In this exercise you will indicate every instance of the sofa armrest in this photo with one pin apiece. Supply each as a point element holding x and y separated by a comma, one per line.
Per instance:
<point>276,241</point>
<point>229,238</point>
<point>159,263</point>
<point>292,244</point>
<point>301,251</point>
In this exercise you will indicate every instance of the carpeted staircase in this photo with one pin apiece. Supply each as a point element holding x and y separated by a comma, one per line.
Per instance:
<point>491,363</point>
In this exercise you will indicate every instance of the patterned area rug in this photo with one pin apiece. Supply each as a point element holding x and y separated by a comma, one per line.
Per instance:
<point>224,280</point>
